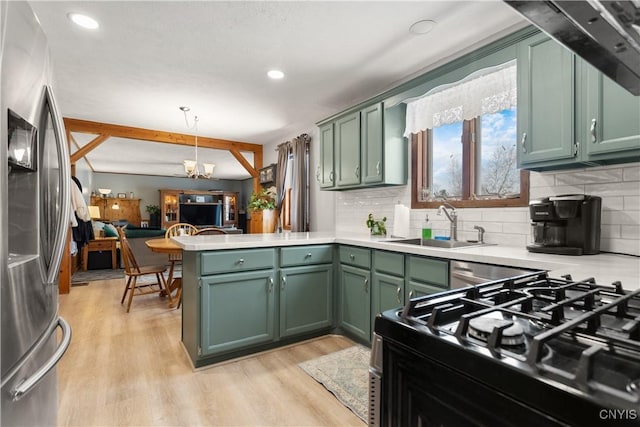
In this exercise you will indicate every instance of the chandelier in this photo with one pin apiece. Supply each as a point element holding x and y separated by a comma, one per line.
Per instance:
<point>191,166</point>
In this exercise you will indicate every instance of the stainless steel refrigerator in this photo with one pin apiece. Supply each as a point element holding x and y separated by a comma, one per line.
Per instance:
<point>34,219</point>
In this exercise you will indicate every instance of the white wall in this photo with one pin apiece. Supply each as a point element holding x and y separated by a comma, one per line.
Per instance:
<point>619,187</point>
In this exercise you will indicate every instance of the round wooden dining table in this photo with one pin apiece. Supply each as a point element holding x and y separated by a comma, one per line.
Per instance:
<point>174,284</point>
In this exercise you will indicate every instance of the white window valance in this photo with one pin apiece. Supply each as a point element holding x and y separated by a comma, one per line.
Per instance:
<point>486,91</point>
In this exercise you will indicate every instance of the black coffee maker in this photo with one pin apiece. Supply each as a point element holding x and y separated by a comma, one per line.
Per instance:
<point>566,225</point>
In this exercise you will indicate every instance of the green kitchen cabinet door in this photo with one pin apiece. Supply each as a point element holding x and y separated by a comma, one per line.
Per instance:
<point>372,144</point>
<point>306,299</point>
<point>418,289</point>
<point>237,311</point>
<point>355,302</point>
<point>546,101</point>
<point>325,174</point>
<point>610,124</point>
<point>387,293</point>
<point>347,146</point>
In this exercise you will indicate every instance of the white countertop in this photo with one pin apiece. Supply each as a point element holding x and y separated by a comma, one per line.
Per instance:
<point>605,268</point>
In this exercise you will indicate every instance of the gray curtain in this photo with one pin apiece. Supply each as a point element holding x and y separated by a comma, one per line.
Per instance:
<point>281,175</point>
<point>300,183</point>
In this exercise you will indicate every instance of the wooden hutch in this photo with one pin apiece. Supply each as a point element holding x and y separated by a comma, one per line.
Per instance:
<point>114,209</point>
<point>200,208</point>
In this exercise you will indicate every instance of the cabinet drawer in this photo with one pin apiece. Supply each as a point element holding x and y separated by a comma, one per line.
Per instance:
<point>389,263</point>
<point>240,260</point>
<point>306,255</point>
<point>100,245</point>
<point>360,257</point>
<point>429,270</point>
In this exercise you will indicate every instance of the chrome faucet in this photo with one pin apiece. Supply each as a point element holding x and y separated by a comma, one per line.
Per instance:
<point>480,233</point>
<point>452,216</point>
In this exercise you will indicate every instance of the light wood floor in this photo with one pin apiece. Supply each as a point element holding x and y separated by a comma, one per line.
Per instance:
<point>131,370</point>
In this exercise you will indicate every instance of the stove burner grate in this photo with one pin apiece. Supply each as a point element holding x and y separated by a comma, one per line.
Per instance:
<point>481,328</point>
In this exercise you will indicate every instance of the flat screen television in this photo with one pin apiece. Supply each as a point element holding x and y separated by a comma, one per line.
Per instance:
<point>200,214</point>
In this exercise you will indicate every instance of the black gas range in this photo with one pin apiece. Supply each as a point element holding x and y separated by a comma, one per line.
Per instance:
<point>526,351</point>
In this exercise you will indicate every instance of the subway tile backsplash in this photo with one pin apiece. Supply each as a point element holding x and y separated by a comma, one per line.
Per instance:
<point>618,185</point>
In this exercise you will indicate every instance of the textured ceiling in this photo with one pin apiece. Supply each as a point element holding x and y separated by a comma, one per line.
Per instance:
<point>148,58</point>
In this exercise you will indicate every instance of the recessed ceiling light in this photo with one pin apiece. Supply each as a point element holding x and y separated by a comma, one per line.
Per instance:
<point>275,74</point>
<point>422,27</point>
<point>83,21</point>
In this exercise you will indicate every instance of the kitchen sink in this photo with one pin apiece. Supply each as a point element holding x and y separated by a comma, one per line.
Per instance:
<point>448,244</point>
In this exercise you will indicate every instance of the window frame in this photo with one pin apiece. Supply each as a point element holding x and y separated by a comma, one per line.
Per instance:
<point>421,173</point>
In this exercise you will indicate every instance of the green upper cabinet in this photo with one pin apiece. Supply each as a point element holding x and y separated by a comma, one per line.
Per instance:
<point>371,144</point>
<point>611,117</point>
<point>545,102</point>
<point>347,147</point>
<point>366,148</point>
<point>325,173</point>
<point>570,114</point>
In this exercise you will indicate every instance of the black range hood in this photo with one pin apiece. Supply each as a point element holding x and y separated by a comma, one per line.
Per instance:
<point>604,33</point>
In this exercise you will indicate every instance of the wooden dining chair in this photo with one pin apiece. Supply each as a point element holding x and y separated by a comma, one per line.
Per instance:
<point>180,229</point>
<point>210,231</point>
<point>133,271</point>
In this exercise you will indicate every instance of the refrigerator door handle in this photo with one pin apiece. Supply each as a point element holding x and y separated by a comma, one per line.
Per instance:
<point>25,386</point>
<point>65,182</point>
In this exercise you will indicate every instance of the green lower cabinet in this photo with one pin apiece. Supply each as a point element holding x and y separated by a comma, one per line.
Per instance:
<point>306,299</point>
<point>388,293</point>
<point>417,289</point>
<point>425,276</point>
<point>237,311</point>
<point>355,302</point>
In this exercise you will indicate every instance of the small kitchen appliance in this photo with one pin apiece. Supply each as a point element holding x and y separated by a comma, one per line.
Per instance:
<point>565,225</point>
<point>530,350</point>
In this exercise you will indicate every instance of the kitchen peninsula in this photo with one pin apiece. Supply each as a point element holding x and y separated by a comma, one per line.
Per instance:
<point>248,293</point>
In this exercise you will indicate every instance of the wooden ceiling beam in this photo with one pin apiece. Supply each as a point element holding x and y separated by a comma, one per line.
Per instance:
<point>88,147</point>
<point>85,126</point>
<point>244,162</point>
<point>71,139</point>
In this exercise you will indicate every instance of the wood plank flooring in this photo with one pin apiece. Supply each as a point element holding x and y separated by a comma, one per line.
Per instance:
<point>131,370</point>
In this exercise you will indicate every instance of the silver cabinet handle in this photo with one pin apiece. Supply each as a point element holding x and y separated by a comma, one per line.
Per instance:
<point>331,176</point>
<point>25,386</point>
<point>576,149</point>
<point>240,261</point>
<point>522,142</point>
<point>270,289</point>
<point>308,255</point>
<point>357,171</point>
<point>594,136</point>
<point>398,295</point>
<point>318,173</point>
<point>283,282</point>
<point>378,168</point>
<point>352,257</point>
<point>411,294</point>
<point>366,284</point>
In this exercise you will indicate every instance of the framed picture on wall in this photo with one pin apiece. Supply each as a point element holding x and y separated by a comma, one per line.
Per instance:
<point>268,174</point>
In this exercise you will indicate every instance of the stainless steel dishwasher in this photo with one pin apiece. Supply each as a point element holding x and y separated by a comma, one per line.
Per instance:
<point>463,273</point>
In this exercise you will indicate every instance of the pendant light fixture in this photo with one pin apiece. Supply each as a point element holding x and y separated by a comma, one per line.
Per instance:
<point>191,166</point>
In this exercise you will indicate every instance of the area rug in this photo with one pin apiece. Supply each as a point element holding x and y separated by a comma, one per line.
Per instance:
<point>344,373</point>
<point>83,277</point>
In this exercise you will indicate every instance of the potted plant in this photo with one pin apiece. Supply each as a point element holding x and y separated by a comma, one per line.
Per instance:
<point>264,199</point>
<point>262,205</point>
<point>154,215</point>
